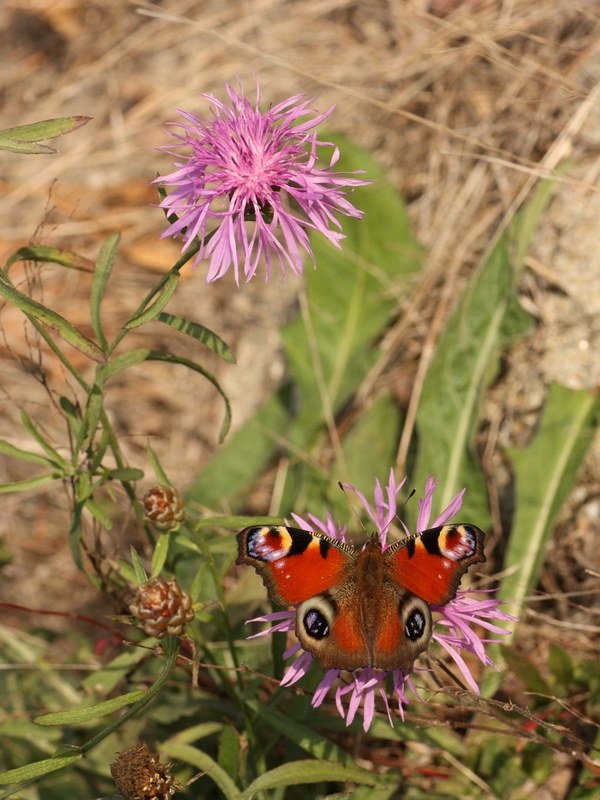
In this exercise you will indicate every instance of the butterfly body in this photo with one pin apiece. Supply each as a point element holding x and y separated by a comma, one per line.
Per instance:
<point>361,608</point>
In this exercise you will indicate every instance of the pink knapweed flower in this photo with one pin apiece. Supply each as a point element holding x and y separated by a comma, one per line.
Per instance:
<point>248,185</point>
<point>452,623</point>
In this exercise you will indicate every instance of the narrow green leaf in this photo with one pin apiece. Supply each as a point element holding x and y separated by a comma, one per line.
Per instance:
<point>29,483</point>
<point>302,735</point>
<point>37,769</point>
<point>300,772</point>
<point>161,475</point>
<point>125,474</point>
<point>159,556</point>
<point>156,355</point>
<point>53,454</point>
<point>200,333</point>
<point>8,449</point>
<point>155,307</point>
<point>52,255</point>
<point>140,572</point>
<point>130,359</point>
<point>65,329</point>
<point>88,713</point>
<point>544,473</point>
<point>26,148</point>
<point>202,761</point>
<point>99,514</point>
<point>44,129</point>
<point>104,265</point>
<point>74,535</point>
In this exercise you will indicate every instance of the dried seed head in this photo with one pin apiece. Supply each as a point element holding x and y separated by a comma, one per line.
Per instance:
<point>163,506</point>
<point>138,775</point>
<point>162,607</point>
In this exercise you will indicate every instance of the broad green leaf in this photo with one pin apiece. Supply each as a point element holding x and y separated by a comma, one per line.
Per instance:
<point>349,298</point>
<point>225,481</point>
<point>28,483</point>
<point>156,306</point>
<point>78,715</point>
<point>107,677</point>
<point>37,769</point>
<point>369,448</point>
<point>465,361</point>
<point>229,751</point>
<point>545,472</point>
<point>53,255</point>
<point>8,449</point>
<point>488,317</point>
<point>65,329</point>
<point>301,772</point>
<point>200,333</point>
<point>202,761</point>
<point>104,265</point>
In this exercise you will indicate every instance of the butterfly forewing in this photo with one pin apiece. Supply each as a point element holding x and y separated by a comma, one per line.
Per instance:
<point>431,564</point>
<point>294,564</point>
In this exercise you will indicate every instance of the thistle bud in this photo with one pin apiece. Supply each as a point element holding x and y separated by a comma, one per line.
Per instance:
<point>163,506</point>
<point>162,607</point>
<point>138,775</point>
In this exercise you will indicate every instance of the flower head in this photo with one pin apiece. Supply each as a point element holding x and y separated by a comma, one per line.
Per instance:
<point>452,623</point>
<point>248,185</point>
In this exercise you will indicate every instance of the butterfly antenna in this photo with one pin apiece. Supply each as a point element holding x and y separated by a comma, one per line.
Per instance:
<point>397,515</point>
<point>354,511</point>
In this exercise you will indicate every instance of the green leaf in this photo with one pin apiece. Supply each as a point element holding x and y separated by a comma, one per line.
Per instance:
<point>202,761</point>
<point>156,355</point>
<point>104,265</point>
<point>8,449</point>
<point>526,671</point>
<point>301,772</point>
<point>102,709</point>
<point>53,255</point>
<point>140,572</point>
<point>99,514</point>
<point>65,329</point>
<point>544,473</point>
<point>302,735</point>
<point>159,556</point>
<point>161,475</point>
<point>125,474</point>
<point>200,333</point>
<point>44,129</point>
<point>28,483</point>
<point>155,307</point>
<point>350,297</point>
<point>37,769</point>
<point>465,361</point>
<point>53,454</point>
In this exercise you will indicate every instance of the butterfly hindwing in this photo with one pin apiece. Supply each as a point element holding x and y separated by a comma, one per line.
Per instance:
<point>431,564</point>
<point>294,564</point>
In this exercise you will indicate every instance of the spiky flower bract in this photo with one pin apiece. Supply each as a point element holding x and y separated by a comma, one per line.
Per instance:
<point>453,626</point>
<point>248,185</point>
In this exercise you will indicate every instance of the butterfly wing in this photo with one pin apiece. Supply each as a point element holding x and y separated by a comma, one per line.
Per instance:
<point>294,564</point>
<point>431,564</point>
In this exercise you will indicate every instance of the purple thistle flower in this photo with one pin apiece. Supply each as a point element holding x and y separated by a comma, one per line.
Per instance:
<point>452,625</point>
<point>250,176</point>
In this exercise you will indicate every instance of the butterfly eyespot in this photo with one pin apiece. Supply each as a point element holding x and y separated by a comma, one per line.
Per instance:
<point>316,616</point>
<point>315,624</point>
<point>416,618</point>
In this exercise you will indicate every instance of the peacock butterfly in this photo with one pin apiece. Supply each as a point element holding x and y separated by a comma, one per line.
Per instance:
<point>361,608</point>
